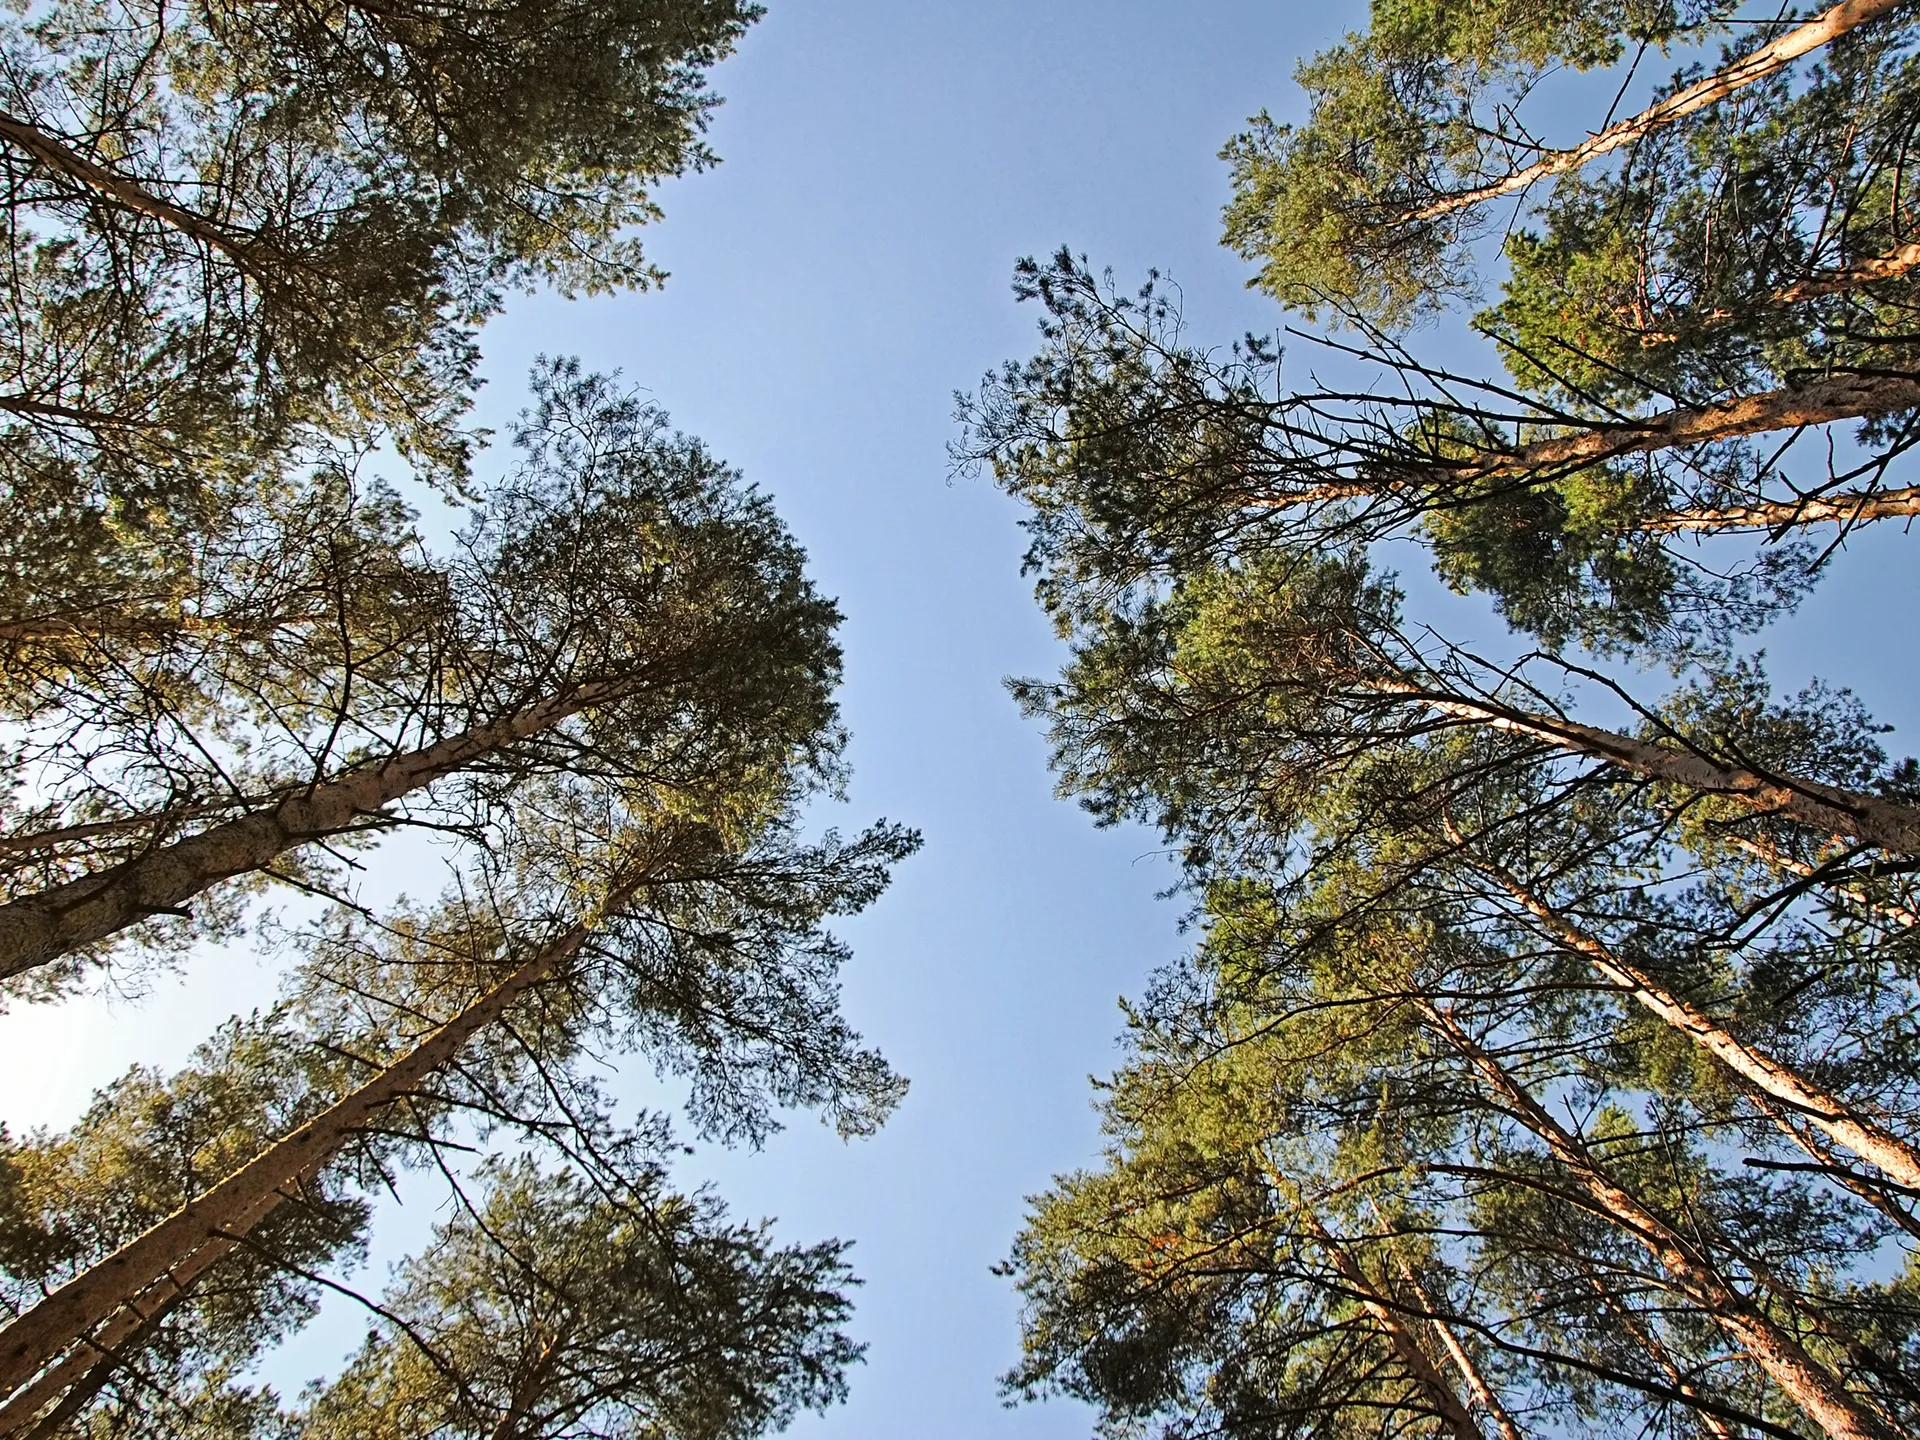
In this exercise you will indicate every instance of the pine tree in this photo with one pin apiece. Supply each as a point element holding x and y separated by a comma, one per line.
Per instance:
<point>624,607</point>
<point>557,1309</point>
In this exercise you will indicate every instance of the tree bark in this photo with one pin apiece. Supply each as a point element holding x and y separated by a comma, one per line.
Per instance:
<point>1813,1388</point>
<point>40,928</point>
<point>1463,1362</point>
<point>174,1251</point>
<point>1818,402</point>
<point>62,159</point>
<point>1824,401</point>
<point>1826,808</point>
<point>1405,1344</point>
<point>1769,59</point>
<point>1844,508</point>
<point>1656,1352</point>
<point>1870,1141</point>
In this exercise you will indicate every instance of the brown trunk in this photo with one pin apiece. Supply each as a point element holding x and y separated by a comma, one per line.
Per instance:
<point>87,1368</point>
<point>1769,59</point>
<point>1804,1380</point>
<point>1406,1345</point>
<point>64,160</point>
<point>1462,1361</point>
<point>1841,509</point>
<point>1657,1353</point>
<point>1819,402</point>
<point>1825,808</point>
<point>167,1256</point>
<point>1891,912</point>
<point>40,928</point>
<point>1828,1113</point>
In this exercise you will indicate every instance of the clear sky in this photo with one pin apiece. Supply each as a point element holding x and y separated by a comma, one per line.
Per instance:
<point>833,282</point>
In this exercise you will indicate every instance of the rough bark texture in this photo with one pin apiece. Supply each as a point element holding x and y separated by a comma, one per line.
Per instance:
<point>1462,1361</point>
<point>1828,1113</point>
<point>1805,1381</point>
<point>1769,59</point>
<point>1825,808</point>
<point>1846,508</point>
<point>1819,402</point>
<point>169,1254</point>
<point>37,929</point>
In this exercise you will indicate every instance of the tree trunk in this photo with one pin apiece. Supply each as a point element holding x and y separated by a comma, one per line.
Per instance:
<point>40,928</point>
<point>1825,808</point>
<point>1406,1345</point>
<point>1844,508</point>
<point>1769,59</point>
<point>1805,1381</point>
<point>1463,1362</point>
<point>1656,1352</point>
<point>1819,402</point>
<point>62,159</point>
<point>169,1254</point>
<point>1868,1140</point>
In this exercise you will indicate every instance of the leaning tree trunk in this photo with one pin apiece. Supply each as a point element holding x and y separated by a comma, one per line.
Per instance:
<point>1867,1139</point>
<point>1392,1320</point>
<point>62,159</point>
<point>121,1290</point>
<point>1769,59</point>
<point>1825,401</point>
<point>1803,1379</point>
<point>1843,508</point>
<point>1826,808</point>
<point>1463,1362</point>
<point>39,928</point>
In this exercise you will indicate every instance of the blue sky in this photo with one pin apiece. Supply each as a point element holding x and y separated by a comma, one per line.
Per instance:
<point>833,282</point>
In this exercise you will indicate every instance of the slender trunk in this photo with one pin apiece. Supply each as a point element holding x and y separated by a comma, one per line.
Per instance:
<point>1818,402</point>
<point>1826,808</point>
<point>1850,277</point>
<point>1844,508</point>
<point>1769,59</point>
<point>1818,284</point>
<point>62,159</point>
<point>166,1256</point>
<point>1891,912</point>
<point>1804,1380</point>
<point>1870,1141</point>
<point>1833,1169</point>
<point>1462,1361</point>
<point>42,927</point>
<point>1406,1345</point>
<point>1656,1352</point>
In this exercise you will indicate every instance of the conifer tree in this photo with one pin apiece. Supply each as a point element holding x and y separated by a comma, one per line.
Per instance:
<point>624,607</point>
<point>1546,1062</point>
<point>556,1309</point>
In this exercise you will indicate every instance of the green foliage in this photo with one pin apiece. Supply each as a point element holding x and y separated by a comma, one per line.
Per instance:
<point>555,1309</point>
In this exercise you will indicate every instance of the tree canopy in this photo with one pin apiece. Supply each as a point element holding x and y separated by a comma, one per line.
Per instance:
<point>1545,1058</point>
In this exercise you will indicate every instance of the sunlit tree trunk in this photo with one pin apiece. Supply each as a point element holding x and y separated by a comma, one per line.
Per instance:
<point>1810,1386</point>
<point>40,928</point>
<point>1769,59</point>
<point>1826,808</point>
<point>1859,1133</point>
<point>167,1257</point>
